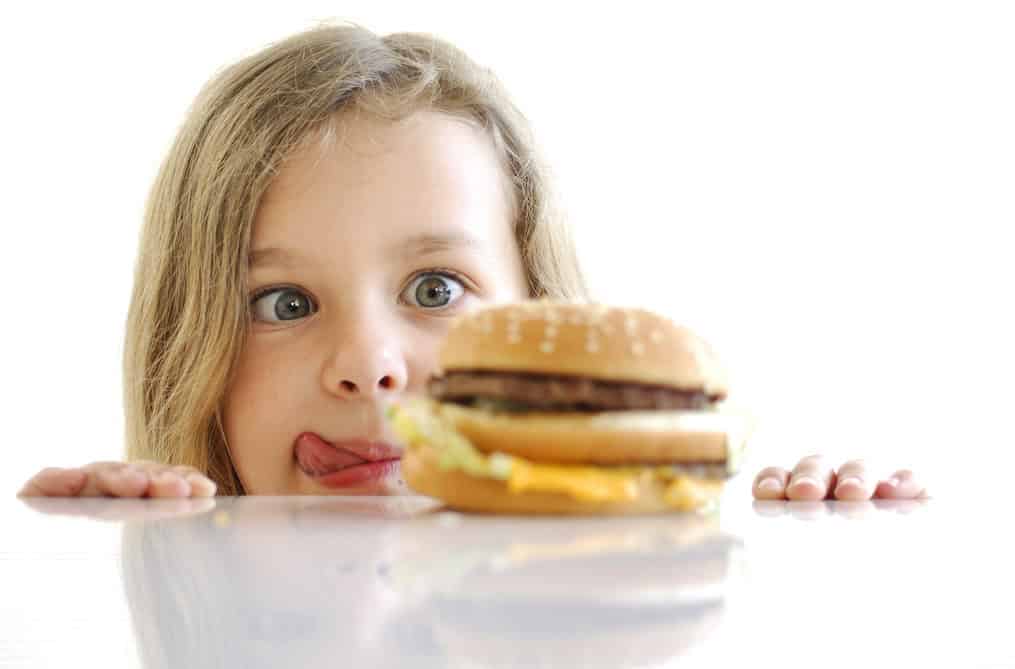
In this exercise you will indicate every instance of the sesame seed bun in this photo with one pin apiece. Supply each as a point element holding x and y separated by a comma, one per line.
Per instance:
<point>587,340</point>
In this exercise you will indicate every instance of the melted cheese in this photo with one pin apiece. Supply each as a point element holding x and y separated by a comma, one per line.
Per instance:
<point>591,484</point>
<point>602,484</point>
<point>686,494</point>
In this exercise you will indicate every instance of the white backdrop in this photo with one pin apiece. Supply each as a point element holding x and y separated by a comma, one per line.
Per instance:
<point>826,190</point>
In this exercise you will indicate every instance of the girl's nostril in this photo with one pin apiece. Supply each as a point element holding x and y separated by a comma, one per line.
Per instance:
<point>385,382</point>
<point>349,386</point>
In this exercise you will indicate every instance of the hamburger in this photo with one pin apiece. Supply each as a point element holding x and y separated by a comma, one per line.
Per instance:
<point>571,408</point>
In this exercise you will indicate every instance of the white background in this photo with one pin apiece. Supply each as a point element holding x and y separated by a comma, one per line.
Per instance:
<point>826,190</point>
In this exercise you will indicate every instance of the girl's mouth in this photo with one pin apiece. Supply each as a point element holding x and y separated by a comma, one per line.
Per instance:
<point>346,463</point>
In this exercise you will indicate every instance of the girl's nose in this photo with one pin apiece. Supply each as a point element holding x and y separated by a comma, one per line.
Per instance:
<point>351,388</point>
<point>368,369</point>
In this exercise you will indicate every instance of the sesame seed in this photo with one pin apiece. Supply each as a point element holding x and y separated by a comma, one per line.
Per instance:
<point>546,347</point>
<point>637,348</point>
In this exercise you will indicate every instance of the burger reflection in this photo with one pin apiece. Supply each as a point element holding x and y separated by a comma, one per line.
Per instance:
<point>397,582</point>
<point>590,592</point>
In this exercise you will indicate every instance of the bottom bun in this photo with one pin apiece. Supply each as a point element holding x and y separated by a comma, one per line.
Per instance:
<point>463,491</point>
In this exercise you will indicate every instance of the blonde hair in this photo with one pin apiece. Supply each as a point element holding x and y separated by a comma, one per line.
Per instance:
<point>188,312</point>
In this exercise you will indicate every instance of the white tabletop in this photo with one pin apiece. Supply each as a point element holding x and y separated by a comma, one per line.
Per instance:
<point>357,582</point>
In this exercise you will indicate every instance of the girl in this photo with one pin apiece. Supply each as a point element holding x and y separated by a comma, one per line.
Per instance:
<point>328,206</point>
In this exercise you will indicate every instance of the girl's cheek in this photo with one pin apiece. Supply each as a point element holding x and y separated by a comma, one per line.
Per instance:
<point>422,360</point>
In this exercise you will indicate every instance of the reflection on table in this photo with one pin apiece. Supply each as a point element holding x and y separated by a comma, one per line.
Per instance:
<point>307,582</point>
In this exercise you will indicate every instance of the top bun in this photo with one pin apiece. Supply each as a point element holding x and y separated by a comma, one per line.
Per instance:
<point>585,340</point>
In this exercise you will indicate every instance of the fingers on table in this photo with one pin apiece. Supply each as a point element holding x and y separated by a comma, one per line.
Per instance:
<point>902,484</point>
<point>120,479</point>
<point>770,483</point>
<point>812,479</point>
<point>853,482</point>
<point>55,482</point>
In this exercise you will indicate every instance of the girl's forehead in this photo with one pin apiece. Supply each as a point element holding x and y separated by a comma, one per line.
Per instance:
<point>430,178</point>
<point>360,151</point>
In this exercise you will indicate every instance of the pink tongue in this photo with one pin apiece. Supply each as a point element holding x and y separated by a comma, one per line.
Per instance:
<point>317,457</point>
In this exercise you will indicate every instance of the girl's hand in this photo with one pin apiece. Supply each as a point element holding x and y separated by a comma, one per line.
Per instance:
<point>119,479</point>
<point>814,479</point>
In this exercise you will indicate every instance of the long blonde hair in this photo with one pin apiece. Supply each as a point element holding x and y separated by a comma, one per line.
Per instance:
<point>188,312</point>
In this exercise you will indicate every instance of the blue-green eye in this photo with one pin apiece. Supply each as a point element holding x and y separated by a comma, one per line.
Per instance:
<point>433,290</point>
<point>281,304</point>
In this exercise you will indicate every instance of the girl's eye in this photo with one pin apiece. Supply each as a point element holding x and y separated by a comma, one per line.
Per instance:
<point>282,304</point>
<point>433,290</point>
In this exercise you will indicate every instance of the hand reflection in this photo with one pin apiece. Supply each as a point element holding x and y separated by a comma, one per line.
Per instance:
<point>815,510</point>
<point>120,510</point>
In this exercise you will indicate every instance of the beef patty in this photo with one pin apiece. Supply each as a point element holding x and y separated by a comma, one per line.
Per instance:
<point>512,390</point>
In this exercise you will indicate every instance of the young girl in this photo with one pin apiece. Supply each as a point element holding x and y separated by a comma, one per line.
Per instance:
<point>330,204</point>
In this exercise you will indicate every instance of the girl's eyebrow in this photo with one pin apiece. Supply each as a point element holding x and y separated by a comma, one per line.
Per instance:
<point>411,247</point>
<point>273,255</point>
<point>429,244</point>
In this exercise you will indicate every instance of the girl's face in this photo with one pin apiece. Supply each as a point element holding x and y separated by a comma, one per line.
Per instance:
<point>363,251</point>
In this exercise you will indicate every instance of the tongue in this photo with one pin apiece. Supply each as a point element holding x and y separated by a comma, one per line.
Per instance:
<point>317,457</point>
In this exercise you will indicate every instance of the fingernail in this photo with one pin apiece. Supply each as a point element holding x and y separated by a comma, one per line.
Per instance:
<point>850,480</point>
<point>132,475</point>
<point>173,485</point>
<point>201,483</point>
<point>770,485</point>
<point>805,480</point>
